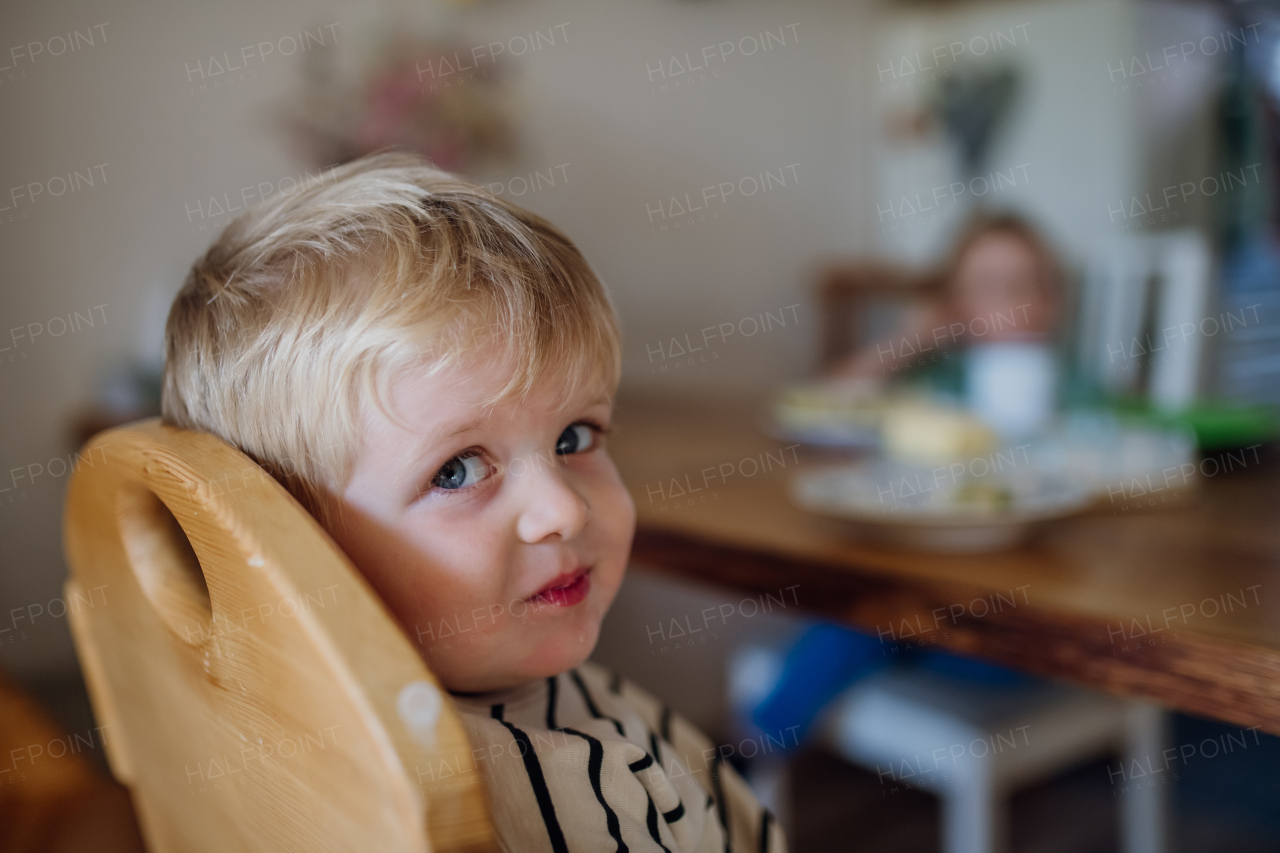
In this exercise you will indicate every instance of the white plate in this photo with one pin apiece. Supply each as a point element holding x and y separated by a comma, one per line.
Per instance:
<point>915,507</point>
<point>833,436</point>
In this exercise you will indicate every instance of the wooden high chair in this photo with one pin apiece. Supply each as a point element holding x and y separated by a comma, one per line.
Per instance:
<point>255,694</point>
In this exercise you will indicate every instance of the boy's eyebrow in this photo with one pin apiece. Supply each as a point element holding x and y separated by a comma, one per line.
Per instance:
<point>428,442</point>
<point>434,437</point>
<point>423,447</point>
<point>469,426</point>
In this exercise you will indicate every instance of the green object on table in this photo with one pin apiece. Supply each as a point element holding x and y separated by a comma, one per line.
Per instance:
<point>1218,425</point>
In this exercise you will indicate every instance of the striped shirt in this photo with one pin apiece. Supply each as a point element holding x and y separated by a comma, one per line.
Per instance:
<point>585,762</point>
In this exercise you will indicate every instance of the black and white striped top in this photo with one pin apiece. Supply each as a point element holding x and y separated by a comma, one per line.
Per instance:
<point>586,762</point>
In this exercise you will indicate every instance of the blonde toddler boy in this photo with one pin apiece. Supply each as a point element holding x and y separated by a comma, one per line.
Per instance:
<point>430,370</point>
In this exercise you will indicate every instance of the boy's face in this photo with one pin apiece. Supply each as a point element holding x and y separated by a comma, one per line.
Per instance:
<point>498,537</point>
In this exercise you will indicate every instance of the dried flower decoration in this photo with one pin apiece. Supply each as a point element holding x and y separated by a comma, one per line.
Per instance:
<point>430,96</point>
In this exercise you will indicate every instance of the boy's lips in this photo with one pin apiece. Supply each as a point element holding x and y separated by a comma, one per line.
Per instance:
<point>566,590</point>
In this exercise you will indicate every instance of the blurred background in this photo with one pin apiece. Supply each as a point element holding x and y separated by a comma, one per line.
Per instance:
<point>826,170</point>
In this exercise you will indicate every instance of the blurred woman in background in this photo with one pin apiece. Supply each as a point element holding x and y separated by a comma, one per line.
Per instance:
<point>999,310</point>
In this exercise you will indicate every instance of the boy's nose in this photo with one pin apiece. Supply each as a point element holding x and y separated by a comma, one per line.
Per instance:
<point>551,507</point>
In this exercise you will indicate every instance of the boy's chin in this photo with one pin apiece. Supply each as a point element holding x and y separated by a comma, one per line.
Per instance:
<point>557,654</point>
<point>551,656</point>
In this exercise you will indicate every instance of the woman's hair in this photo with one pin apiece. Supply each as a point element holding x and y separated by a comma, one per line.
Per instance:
<point>307,306</point>
<point>985,223</point>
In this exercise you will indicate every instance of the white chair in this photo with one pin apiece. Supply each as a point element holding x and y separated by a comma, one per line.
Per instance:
<point>972,745</point>
<point>753,671</point>
<point>1141,296</point>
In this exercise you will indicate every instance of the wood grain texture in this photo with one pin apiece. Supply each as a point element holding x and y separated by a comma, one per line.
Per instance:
<point>251,683</point>
<point>1177,605</point>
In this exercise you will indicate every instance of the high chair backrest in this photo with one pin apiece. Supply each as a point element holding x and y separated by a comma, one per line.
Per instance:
<point>255,693</point>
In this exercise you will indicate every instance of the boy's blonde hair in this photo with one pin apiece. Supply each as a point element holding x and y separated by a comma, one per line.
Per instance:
<point>308,305</point>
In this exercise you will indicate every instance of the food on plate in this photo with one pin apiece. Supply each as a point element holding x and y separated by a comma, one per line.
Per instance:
<point>933,434</point>
<point>986,497</point>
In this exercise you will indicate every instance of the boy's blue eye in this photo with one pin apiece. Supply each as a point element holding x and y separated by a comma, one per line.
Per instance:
<point>576,438</point>
<point>460,472</point>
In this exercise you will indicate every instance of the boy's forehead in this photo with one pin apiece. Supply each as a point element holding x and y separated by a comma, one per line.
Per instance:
<point>479,382</point>
<point>464,396</point>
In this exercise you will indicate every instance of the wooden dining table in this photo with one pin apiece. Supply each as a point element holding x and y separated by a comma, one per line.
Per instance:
<point>1169,596</point>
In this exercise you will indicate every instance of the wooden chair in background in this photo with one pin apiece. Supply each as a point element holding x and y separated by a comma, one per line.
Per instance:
<point>849,293</point>
<point>256,695</point>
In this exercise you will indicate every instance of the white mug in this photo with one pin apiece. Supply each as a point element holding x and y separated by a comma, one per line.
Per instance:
<point>1012,385</point>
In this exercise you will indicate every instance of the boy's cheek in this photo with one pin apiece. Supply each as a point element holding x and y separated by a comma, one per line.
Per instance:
<point>626,521</point>
<point>621,508</point>
<point>464,655</point>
